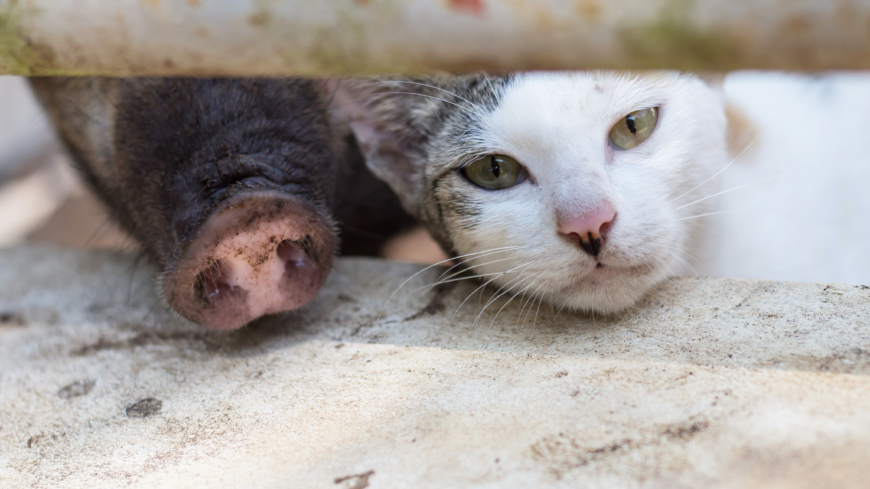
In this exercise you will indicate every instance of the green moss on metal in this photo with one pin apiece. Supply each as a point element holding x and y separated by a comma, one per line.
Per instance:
<point>18,54</point>
<point>12,46</point>
<point>675,41</point>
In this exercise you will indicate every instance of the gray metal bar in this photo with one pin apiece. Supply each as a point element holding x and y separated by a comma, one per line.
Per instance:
<point>314,37</point>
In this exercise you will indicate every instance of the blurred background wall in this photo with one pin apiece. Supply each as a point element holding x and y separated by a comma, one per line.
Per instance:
<point>799,209</point>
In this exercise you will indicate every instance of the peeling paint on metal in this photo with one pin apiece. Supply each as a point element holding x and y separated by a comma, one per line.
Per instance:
<point>283,37</point>
<point>473,7</point>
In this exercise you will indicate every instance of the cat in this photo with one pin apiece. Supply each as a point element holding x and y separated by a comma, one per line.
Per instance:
<point>582,189</point>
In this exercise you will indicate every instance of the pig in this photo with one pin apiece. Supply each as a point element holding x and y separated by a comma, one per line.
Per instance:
<point>241,191</point>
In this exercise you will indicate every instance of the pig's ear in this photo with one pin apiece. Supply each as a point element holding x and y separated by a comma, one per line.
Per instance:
<point>392,123</point>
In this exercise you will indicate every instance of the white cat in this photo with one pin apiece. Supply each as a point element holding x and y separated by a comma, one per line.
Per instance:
<point>578,188</point>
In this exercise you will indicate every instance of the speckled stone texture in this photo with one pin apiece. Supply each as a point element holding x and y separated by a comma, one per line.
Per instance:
<point>709,383</point>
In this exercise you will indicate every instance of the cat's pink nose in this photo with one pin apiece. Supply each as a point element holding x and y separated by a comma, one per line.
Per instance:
<point>589,230</point>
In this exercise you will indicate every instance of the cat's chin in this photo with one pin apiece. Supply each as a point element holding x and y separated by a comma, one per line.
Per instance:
<point>608,289</point>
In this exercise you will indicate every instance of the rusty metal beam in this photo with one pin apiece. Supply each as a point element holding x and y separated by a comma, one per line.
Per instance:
<point>314,37</point>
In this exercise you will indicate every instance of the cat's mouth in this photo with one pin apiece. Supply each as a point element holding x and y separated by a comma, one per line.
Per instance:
<point>606,269</point>
<point>594,273</point>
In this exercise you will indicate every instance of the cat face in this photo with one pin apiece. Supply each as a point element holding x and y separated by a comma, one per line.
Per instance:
<point>567,186</point>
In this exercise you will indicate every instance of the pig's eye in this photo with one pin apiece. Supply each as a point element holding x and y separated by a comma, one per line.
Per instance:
<point>635,128</point>
<point>495,172</point>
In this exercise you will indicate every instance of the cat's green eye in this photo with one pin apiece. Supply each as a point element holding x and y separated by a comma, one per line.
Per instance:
<point>635,128</point>
<point>495,172</point>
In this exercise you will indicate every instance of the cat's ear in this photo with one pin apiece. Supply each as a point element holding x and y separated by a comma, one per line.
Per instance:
<point>714,80</point>
<point>391,123</point>
<point>742,131</point>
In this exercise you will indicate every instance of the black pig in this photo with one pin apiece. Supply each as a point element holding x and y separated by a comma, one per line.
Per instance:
<point>237,188</point>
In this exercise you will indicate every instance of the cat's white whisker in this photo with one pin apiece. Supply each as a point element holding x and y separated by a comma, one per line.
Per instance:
<point>723,169</point>
<point>513,297</point>
<point>440,281</point>
<point>531,297</point>
<point>493,299</point>
<point>684,262</point>
<point>353,101</point>
<point>480,254</point>
<point>482,286</point>
<point>421,271</point>
<point>457,280</point>
<point>731,190</point>
<point>559,312</point>
<point>665,265</point>
<point>718,213</point>
<point>464,109</point>
<point>459,264</point>
<point>688,257</point>
<point>531,301</point>
<point>679,250</point>
<point>478,107</point>
<point>535,325</point>
<point>516,281</point>
<point>408,82</point>
<point>478,266</point>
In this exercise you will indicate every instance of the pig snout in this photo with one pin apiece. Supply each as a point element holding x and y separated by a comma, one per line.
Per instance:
<point>261,253</point>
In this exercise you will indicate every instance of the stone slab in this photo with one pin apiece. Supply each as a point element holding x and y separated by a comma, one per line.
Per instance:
<point>709,382</point>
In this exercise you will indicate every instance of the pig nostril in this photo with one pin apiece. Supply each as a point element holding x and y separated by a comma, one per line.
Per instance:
<point>212,285</point>
<point>293,254</point>
<point>213,290</point>
<point>307,245</point>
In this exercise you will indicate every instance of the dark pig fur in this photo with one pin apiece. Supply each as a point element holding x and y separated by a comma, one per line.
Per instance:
<point>237,188</point>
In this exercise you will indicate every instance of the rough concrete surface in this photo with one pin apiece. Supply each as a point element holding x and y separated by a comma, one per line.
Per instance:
<point>710,382</point>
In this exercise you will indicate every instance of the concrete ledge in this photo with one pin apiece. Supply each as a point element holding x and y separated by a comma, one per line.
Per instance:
<point>711,382</point>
